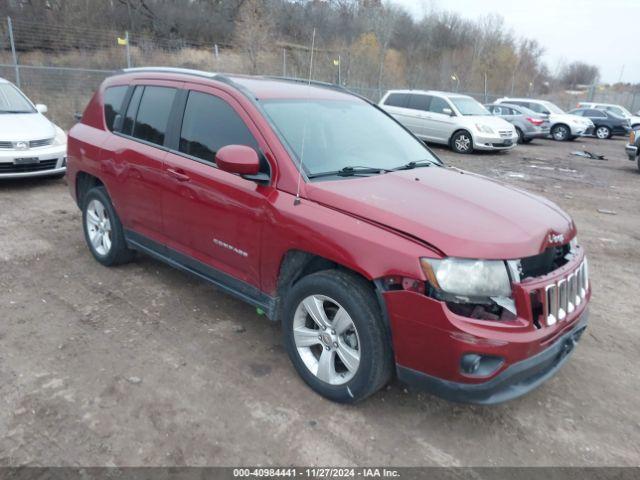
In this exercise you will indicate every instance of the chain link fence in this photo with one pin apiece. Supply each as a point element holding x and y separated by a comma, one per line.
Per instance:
<point>62,67</point>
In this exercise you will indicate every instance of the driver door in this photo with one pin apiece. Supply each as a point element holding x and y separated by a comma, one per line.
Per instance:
<point>211,216</point>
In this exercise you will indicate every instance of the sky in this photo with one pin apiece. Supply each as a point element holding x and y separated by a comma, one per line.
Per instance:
<point>600,32</point>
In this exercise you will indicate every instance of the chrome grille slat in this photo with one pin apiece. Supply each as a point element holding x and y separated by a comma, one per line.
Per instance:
<point>562,298</point>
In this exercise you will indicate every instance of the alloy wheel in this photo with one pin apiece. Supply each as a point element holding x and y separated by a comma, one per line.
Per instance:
<point>462,143</point>
<point>326,339</point>
<point>560,133</point>
<point>602,132</point>
<point>99,227</point>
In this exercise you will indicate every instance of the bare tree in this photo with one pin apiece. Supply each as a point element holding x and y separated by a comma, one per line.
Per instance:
<point>254,30</point>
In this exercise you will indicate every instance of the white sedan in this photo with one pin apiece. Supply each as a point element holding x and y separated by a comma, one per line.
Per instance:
<point>30,144</point>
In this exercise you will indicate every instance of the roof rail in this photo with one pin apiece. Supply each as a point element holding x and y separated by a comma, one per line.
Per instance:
<point>185,71</point>
<point>317,83</point>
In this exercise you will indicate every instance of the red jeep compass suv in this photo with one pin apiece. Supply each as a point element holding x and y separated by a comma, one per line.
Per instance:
<point>316,206</point>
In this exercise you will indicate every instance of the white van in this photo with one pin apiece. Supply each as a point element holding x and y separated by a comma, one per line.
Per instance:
<point>451,119</point>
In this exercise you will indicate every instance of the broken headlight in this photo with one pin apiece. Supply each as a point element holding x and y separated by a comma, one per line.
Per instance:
<point>467,277</point>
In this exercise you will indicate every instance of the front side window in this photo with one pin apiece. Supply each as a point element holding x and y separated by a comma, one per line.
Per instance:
<point>113,98</point>
<point>469,106</point>
<point>329,135</point>
<point>210,123</point>
<point>438,105</point>
<point>13,101</point>
<point>153,114</point>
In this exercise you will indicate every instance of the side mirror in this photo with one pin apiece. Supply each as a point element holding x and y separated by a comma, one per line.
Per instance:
<point>448,111</point>
<point>41,108</point>
<point>241,160</point>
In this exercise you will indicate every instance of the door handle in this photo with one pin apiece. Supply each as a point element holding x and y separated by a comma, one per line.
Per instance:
<point>178,175</point>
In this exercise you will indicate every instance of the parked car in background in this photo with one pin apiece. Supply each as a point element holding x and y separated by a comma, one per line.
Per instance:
<point>606,122</point>
<point>452,119</point>
<point>528,124</point>
<point>314,205</point>
<point>619,110</point>
<point>564,126</point>
<point>633,147</point>
<point>30,144</point>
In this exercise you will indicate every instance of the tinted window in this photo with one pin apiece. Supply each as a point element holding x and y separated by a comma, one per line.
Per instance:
<point>153,114</point>
<point>113,97</point>
<point>209,124</point>
<point>595,114</point>
<point>419,102</point>
<point>397,100</point>
<point>438,105</point>
<point>522,104</point>
<point>132,109</point>
<point>577,112</point>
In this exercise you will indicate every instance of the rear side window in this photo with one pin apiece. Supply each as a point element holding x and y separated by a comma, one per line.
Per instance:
<point>438,104</point>
<point>397,100</point>
<point>132,110</point>
<point>153,114</point>
<point>419,102</point>
<point>209,124</point>
<point>595,113</point>
<point>113,98</point>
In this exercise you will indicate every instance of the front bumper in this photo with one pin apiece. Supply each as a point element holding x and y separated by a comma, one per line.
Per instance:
<point>517,380</point>
<point>494,142</point>
<point>632,152</point>
<point>45,161</point>
<point>431,341</point>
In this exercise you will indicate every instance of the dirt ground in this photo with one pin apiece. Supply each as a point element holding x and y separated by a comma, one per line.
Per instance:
<point>145,365</point>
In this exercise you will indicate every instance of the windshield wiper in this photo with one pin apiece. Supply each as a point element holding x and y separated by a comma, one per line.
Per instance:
<point>15,111</point>
<point>351,171</point>
<point>412,165</point>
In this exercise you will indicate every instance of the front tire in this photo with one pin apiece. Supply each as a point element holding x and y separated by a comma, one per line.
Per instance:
<point>521,138</point>
<point>561,133</point>
<point>462,142</point>
<point>603,132</point>
<point>103,231</point>
<point>335,336</point>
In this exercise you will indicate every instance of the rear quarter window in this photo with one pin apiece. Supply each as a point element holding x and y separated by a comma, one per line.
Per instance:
<point>397,100</point>
<point>113,98</point>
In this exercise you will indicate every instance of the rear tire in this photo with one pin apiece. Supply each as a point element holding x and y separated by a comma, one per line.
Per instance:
<point>103,231</point>
<point>521,138</point>
<point>330,316</point>
<point>561,133</point>
<point>462,142</point>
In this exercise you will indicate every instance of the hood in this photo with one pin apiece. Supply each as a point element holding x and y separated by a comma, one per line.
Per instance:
<point>25,126</point>
<point>633,119</point>
<point>459,213</point>
<point>492,121</point>
<point>569,118</point>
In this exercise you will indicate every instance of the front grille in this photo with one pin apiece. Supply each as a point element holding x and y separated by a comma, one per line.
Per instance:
<point>505,133</point>
<point>32,143</point>
<point>34,167</point>
<point>40,143</point>
<point>561,298</point>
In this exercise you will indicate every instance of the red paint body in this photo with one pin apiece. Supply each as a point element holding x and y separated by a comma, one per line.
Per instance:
<point>377,226</point>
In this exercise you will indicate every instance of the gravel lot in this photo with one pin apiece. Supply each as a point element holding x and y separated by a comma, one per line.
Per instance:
<point>145,365</point>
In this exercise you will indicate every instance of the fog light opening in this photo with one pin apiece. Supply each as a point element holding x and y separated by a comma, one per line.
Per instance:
<point>476,365</point>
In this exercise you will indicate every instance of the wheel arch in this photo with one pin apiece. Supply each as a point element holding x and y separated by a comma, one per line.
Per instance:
<point>297,264</point>
<point>85,182</point>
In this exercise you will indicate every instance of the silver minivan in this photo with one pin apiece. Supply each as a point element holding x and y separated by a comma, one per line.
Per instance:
<point>452,119</point>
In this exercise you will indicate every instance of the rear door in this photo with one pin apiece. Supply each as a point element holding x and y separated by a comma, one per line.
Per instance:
<point>139,150</point>
<point>211,216</point>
